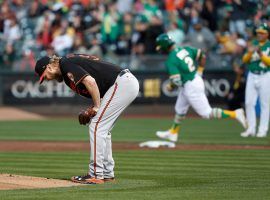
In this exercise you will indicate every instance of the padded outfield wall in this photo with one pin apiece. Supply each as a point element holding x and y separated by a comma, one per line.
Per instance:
<point>22,88</point>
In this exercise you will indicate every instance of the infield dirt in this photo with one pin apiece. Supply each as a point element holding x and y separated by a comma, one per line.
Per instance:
<point>39,146</point>
<point>12,182</point>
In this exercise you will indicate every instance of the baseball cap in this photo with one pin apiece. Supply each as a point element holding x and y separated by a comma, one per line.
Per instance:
<point>263,28</point>
<point>40,67</point>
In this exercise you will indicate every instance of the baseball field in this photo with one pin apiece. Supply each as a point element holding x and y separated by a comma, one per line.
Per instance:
<point>210,161</point>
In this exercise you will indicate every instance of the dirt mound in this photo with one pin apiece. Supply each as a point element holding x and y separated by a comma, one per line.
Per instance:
<point>11,113</point>
<point>11,182</point>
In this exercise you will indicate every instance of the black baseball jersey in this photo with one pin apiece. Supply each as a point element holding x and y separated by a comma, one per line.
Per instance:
<point>75,68</point>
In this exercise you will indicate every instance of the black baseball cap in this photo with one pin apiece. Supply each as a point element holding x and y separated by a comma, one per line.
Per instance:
<point>40,67</point>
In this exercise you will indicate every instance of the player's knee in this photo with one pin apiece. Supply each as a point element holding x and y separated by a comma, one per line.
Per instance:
<point>205,116</point>
<point>180,111</point>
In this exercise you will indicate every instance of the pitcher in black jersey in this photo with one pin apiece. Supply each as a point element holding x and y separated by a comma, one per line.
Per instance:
<point>111,89</point>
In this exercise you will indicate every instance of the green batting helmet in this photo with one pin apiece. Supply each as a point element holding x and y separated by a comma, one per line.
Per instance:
<point>164,42</point>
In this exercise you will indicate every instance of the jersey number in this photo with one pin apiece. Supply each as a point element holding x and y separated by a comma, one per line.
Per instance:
<point>183,55</point>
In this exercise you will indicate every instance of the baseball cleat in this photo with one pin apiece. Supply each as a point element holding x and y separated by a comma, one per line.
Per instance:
<point>247,133</point>
<point>261,134</point>
<point>86,180</point>
<point>167,135</point>
<point>240,116</point>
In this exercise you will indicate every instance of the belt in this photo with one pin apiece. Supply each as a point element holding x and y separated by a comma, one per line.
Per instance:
<point>123,72</point>
<point>259,72</point>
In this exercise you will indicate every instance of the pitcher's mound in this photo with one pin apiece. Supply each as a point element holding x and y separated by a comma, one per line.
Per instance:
<point>11,182</point>
<point>12,113</point>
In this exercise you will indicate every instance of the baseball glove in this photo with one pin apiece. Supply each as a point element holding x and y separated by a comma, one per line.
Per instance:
<point>86,115</point>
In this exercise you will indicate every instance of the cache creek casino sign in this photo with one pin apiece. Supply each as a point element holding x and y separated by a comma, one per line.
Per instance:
<point>25,89</point>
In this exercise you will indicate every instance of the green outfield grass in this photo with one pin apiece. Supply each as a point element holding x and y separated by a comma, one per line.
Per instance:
<point>151,174</point>
<point>193,131</point>
<point>166,175</point>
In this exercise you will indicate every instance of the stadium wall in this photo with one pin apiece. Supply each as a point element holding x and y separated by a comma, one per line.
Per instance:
<point>17,88</point>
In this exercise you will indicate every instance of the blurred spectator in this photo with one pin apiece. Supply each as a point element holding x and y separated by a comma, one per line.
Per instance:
<point>12,31</point>
<point>148,25</point>
<point>76,8</point>
<point>172,5</point>
<point>151,9</point>
<point>227,42</point>
<point>44,31</point>
<point>194,18</point>
<point>11,39</point>
<point>127,27</point>
<point>238,16</point>
<point>154,29</point>
<point>209,14</point>
<point>176,34</point>
<point>66,27</point>
<point>78,24</point>
<point>63,40</point>
<point>78,46</point>
<point>44,20</point>
<point>92,21</point>
<point>124,6</point>
<point>27,62</point>
<point>111,24</point>
<point>95,48</point>
<point>236,96</point>
<point>5,12</point>
<point>35,9</point>
<point>20,9</point>
<point>139,35</point>
<point>138,6</point>
<point>50,51</point>
<point>173,17</point>
<point>201,37</point>
<point>8,55</point>
<point>124,42</point>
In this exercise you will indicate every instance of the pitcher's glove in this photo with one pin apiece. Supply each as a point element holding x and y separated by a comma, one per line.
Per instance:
<point>86,115</point>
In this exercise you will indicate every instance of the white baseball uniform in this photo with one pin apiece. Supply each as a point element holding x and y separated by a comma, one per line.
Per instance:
<point>117,88</point>
<point>115,100</point>
<point>258,85</point>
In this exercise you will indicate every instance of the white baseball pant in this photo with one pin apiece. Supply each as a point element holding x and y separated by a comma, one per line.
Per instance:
<point>115,100</point>
<point>258,86</point>
<point>193,94</point>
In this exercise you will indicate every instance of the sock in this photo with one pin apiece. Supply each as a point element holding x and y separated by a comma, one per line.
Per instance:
<point>176,123</point>
<point>228,113</point>
<point>218,113</point>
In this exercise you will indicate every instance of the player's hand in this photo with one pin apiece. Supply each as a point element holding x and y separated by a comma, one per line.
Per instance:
<point>170,87</point>
<point>252,48</point>
<point>200,71</point>
<point>86,115</point>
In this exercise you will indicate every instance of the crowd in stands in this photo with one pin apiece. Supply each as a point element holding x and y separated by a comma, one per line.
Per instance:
<point>29,29</point>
